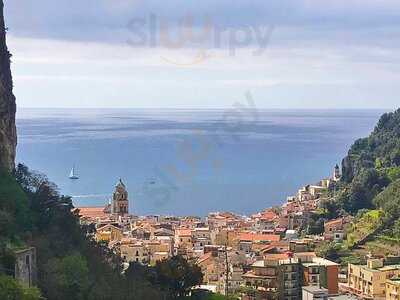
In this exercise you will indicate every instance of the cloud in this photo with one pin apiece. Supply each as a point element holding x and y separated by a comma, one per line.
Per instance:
<point>104,20</point>
<point>333,49</point>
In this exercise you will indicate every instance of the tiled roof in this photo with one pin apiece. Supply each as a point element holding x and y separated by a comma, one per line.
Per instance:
<point>334,222</point>
<point>249,236</point>
<point>204,257</point>
<point>268,215</point>
<point>92,212</point>
<point>279,256</point>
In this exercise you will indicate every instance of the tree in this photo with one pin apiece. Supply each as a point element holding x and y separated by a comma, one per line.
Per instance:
<point>389,200</point>
<point>67,278</point>
<point>10,289</point>
<point>329,250</point>
<point>177,276</point>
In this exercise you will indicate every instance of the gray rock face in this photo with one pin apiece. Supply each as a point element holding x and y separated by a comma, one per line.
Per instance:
<point>8,132</point>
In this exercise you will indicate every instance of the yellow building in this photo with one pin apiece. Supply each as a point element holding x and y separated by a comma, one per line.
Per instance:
<point>370,280</point>
<point>109,233</point>
<point>393,289</point>
<point>134,251</point>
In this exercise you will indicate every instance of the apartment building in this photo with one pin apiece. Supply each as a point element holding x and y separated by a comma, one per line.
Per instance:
<point>371,280</point>
<point>393,289</point>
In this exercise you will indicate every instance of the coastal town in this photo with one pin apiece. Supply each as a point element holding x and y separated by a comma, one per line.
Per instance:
<point>271,254</point>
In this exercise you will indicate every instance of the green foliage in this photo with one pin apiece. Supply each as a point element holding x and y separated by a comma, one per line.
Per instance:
<point>389,200</point>
<point>396,229</point>
<point>329,209</point>
<point>67,278</point>
<point>352,257</point>
<point>10,289</point>
<point>329,250</point>
<point>371,165</point>
<point>366,223</point>
<point>177,276</point>
<point>14,214</point>
<point>315,225</point>
<point>393,173</point>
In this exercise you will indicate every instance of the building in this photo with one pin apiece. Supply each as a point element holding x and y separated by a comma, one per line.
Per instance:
<point>371,280</point>
<point>246,240</point>
<point>319,272</point>
<point>93,214</point>
<point>275,277</point>
<point>25,266</point>
<point>334,229</point>
<point>290,279</point>
<point>183,241</point>
<point>314,293</point>
<point>120,202</point>
<point>200,238</point>
<point>281,276</point>
<point>109,233</point>
<point>134,251</point>
<point>393,289</point>
<point>336,173</point>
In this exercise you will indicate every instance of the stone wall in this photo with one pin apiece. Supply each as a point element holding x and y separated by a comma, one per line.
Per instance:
<point>25,266</point>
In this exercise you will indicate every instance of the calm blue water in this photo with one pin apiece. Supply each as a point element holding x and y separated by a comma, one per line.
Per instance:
<point>187,161</point>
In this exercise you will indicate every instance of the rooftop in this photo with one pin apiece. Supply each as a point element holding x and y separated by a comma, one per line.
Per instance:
<point>249,236</point>
<point>92,212</point>
<point>314,289</point>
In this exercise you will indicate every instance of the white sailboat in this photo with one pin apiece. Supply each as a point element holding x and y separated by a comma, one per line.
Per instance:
<point>72,174</point>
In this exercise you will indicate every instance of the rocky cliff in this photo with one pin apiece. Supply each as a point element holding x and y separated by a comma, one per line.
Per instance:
<point>8,134</point>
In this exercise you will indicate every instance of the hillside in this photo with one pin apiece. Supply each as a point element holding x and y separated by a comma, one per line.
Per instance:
<point>370,183</point>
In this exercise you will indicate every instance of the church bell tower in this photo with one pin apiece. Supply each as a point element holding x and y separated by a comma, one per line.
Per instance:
<point>336,173</point>
<point>120,203</point>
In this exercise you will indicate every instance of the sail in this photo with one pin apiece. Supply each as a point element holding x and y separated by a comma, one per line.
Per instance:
<point>72,174</point>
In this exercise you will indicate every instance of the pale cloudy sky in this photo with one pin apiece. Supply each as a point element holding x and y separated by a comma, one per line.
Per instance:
<point>205,53</point>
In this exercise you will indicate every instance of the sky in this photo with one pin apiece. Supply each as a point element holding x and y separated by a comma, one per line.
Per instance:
<point>206,53</point>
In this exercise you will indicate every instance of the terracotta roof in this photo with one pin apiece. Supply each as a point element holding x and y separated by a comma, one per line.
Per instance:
<point>279,256</point>
<point>204,257</point>
<point>92,212</point>
<point>280,244</point>
<point>249,236</point>
<point>268,215</point>
<point>334,222</point>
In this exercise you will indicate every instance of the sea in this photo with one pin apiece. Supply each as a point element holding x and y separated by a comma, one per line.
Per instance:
<point>188,161</point>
